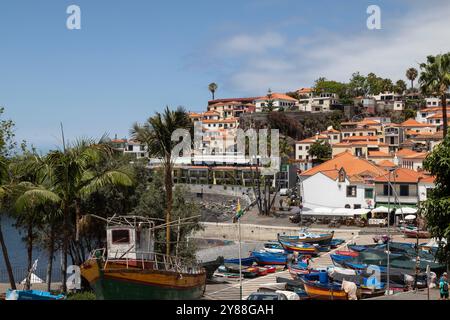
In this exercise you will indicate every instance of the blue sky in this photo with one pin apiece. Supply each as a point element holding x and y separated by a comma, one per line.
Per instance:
<point>132,58</point>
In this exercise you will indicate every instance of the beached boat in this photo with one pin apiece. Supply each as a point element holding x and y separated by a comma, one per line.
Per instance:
<point>310,238</point>
<point>303,248</point>
<point>122,273</point>
<point>346,253</point>
<point>267,258</point>
<point>334,243</point>
<point>227,276</point>
<point>273,247</point>
<point>415,233</point>
<point>244,261</point>
<point>32,295</point>
<point>324,291</point>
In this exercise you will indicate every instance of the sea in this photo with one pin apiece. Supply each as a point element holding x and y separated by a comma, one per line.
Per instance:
<point>17,253</point>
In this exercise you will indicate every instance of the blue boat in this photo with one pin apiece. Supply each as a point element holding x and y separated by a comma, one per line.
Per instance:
<point>338,260</point>
<point>32,295</point>
<point>336,243</point>
<point>244,261</point>
<point>269,258</point>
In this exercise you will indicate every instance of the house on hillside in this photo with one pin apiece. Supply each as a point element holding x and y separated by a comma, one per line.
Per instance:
<point>346,181</point>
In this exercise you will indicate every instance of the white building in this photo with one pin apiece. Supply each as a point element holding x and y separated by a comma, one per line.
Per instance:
<point>278,100</point>
<point>345,181</point>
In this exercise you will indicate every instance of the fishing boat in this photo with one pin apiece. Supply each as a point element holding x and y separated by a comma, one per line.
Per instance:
<point>211,266</point>
<point>338,260</point>
<point>227,276</point>
<point>244,261</point>
<point>346,253</point>
<point>32,295</point>
<point>310,238</point>
<point>324,291</point>
<point>129,269</point>
<point>303,248</point>
<point>415,233</point>
<point>266,258</point>
<point>273,247</point>
<point>334,243</point>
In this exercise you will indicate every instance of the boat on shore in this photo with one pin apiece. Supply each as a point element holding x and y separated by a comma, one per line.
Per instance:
<point>324,291</point>
<point>302,248</point>
<point>244,261</point>
<point>415,233</point>
<point>309,238</point>
<point>122,272</point>
<point>267,258</point>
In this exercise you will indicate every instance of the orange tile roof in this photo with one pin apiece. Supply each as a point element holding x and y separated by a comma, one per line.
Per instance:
<point>402,175</point>
<point>305,90</point>
<point>277,96</point>
<point>417,155</point>
<point>413,123</point>
<point>229,120</point>
<point>405,152</point>
<point>211,113</point>
<point>360,143</point>
<point>313,139</point>
<point>351,164</point>
<point>386,164</point>
<point>379,154</point>
<point>360,138</point>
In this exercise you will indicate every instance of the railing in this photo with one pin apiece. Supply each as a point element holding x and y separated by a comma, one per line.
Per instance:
<point>146,260</point>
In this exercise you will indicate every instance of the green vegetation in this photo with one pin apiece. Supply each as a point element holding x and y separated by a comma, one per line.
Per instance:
<point>320,150</point>
<point>436,209</point>
<point>212,87</point>
<point>435,80</point>
<point>86,295</point>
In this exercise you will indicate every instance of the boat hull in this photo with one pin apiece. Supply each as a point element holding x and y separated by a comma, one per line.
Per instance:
<point>266,258</point>
<point>318,292</point>
<point>322,240</point>
<point>119,283</point>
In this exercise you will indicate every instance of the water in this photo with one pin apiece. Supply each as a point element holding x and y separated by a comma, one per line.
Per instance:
<point>18,255</point>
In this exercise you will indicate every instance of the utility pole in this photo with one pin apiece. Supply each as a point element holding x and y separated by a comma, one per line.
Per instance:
<point>388,231</point>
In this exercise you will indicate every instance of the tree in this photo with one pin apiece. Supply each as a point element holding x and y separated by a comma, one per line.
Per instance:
<point>152,203</point>
<point>400,87</point>
<point>409,114</point>
<point>270,106</point>
<point>435,80</point>
<point>213,88</point>
<point>411,74</point>
<point>72,176</point>
<point>7,145</point>
<point>156,133</point>
<point>321,150</point>
<point>436,209</point>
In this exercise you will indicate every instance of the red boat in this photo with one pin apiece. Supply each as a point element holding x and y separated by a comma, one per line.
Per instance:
<point>347,253</point>
<point>414,233</point>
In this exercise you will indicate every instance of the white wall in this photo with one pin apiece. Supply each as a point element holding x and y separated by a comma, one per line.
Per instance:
<point>321,191</point>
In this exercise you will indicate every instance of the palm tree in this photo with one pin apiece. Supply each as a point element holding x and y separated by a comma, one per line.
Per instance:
<point>156,134</point>
<point>3,192</point>
<point>411,74</point>
<point>435,80</point>
<point>213,88</point>
<point>72,176</point>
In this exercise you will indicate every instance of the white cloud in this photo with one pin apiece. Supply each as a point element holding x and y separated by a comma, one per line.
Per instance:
<point>244,44</point>
<point>271,60</point>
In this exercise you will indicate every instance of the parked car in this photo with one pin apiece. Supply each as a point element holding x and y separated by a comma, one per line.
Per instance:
<point>267,296</point>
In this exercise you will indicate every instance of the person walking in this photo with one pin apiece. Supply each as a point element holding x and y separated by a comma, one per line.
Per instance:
<point>443,287</point>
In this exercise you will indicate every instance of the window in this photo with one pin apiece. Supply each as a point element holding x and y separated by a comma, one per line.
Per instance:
<point>404,190</point>
<point>300,157</point>
<point>368,193</point>
<point>120,236</point>
<point>300,147</point>
<point>356,206</point>
<point>387,189</point>
<point>351,191</point>
<point>307,148</point>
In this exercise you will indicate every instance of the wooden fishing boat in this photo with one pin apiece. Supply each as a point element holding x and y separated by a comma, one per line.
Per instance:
<point>346,253</point>
<point>267,258</point>
<point>414,233</point>
<point>31,295</point>
<point>273,247</point>
<point>338,260</point>
<point>303,248</point>
<point>309,238</point>
<point>226,276</point>
<point>120,272</point>
<point>336,243</point>
<point>319,291</point>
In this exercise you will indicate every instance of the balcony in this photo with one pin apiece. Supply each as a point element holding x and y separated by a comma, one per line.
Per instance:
<point>411,199</point>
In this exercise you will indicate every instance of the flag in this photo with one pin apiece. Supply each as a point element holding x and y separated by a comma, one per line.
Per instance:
<point>239,212</point>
